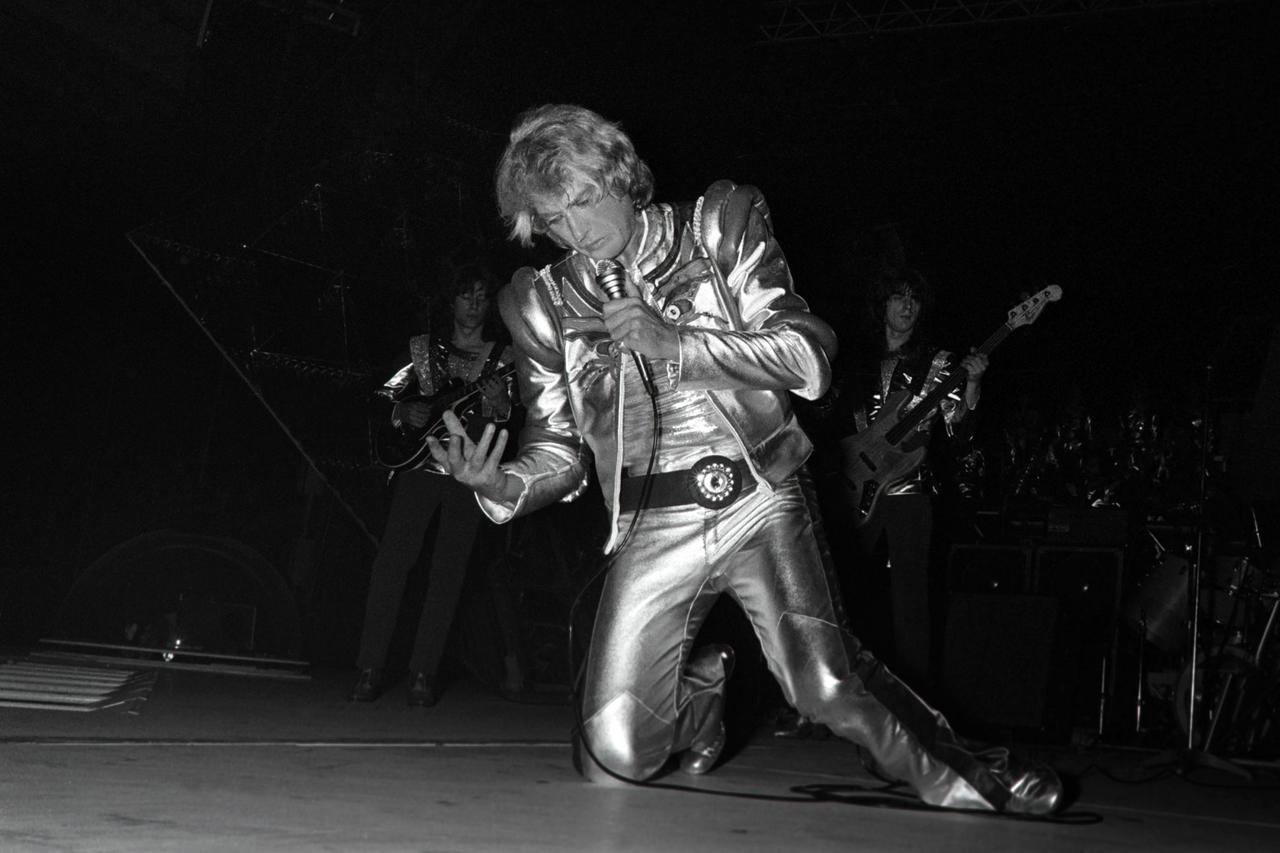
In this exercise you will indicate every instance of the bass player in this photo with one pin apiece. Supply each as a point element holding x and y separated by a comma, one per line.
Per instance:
<point>901,368</point>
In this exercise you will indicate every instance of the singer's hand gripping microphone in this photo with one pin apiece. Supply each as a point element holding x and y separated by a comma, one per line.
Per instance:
<point>613,281</point>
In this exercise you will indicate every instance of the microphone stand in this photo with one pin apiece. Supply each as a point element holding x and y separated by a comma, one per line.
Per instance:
<point>1189,757</point>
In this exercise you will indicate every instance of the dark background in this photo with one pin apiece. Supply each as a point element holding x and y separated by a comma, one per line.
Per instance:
<point>342,153</point>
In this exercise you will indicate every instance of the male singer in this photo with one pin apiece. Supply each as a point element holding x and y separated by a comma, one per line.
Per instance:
<point>703,480</point>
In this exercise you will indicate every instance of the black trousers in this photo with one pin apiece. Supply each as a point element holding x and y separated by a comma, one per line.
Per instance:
<point>905,523</point>
<point>416,499</point>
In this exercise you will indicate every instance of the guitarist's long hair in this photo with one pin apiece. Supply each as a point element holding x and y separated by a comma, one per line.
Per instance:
<point>859,366</point>
<point>437,306</point>
<point>886,284</point>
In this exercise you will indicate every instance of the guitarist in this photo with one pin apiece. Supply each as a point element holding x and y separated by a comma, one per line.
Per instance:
<point>899,363</point>
<point>464,350</point>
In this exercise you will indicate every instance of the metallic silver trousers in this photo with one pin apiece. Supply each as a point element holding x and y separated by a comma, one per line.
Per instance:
<point>647,693</point>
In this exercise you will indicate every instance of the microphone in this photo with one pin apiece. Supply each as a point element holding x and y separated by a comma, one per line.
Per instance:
<point>612,279</point>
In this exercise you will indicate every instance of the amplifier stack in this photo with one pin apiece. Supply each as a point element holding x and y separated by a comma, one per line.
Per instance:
<point>1031,636</point>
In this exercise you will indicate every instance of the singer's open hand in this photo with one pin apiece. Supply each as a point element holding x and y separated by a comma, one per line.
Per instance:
<point>473,463</point>
<point>638,327</point>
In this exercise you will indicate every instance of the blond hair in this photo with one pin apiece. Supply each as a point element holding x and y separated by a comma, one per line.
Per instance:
<point>551,146</point>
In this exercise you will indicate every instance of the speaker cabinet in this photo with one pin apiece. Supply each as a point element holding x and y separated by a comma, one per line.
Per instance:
<point>1031,637</point>
<point>997,659</point>
<point>988,569</point>
<point>1087,583</point>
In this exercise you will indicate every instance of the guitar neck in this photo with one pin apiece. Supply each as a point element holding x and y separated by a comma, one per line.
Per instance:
<point>461,391</point>
<point>995,339</point>
<point>957,378</point>
<point>452,395</point>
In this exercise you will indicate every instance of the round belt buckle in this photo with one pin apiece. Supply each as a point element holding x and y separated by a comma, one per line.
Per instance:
<point>714,482</point>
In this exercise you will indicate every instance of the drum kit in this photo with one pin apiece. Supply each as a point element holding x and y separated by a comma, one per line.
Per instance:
<point>1204,611</point>
<point>1217,666</point>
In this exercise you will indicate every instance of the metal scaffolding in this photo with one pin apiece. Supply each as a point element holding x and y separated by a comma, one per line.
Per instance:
<point>806,20</point>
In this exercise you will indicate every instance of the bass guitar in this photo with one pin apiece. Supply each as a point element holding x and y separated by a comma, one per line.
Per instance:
<point>405,447</point>
<point>881,455</point>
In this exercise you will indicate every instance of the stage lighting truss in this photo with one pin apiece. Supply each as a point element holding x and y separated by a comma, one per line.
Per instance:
<point>806,20</point>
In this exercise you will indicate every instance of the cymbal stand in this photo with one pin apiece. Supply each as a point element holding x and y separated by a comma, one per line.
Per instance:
<point>1189,757</point>
<point>1250,666</point>
<point>1140,696</point>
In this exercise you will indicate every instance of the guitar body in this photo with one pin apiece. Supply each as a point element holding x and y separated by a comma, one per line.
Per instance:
<point>405,448</point>
<point>873,463</point>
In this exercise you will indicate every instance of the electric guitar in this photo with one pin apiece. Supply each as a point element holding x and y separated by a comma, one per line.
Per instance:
<point>881,455</point>
<point>405,447</point>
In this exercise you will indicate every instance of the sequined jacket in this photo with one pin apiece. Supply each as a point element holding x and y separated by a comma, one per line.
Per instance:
<point>435,364</point>
<point>746,340</point>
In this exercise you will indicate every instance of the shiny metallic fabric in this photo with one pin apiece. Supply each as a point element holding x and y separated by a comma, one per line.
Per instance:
<point>747,342</point>
<point>645,700</point>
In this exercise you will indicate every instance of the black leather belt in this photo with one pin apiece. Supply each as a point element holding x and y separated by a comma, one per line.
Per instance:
<point>712,481</point>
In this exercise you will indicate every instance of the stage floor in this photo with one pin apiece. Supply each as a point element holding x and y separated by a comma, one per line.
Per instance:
<point>227,762</point>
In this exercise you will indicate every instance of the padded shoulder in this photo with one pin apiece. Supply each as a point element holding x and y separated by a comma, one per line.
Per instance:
<point>727,210</point>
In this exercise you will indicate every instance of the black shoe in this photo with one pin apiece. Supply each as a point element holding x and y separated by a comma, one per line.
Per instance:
<point>422,691</point>
<point>702,757</point>
<point>791,724</point>
<point>709,742</point>
<point>367,686</point>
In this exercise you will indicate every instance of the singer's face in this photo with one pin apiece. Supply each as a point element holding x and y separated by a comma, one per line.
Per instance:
<point>589,221</point>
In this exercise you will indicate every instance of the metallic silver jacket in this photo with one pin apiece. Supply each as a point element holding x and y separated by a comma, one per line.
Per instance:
<point>746,340</point>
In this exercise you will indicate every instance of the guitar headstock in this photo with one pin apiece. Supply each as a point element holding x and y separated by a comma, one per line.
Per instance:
<point>1026,312</point>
